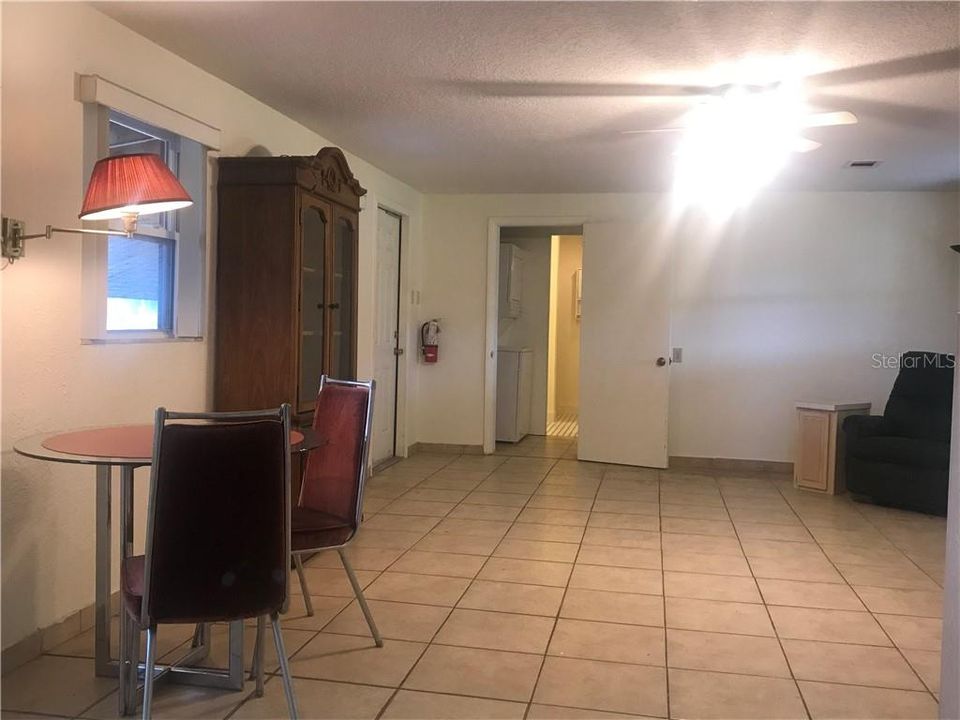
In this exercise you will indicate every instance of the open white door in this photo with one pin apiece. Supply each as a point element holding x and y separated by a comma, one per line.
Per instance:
<point>383,430</point>
<point>624,345</point>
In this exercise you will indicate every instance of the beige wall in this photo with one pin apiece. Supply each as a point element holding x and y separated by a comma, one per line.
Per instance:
<point>50,381</point>
<point>569,260</point>
<point>788,300</point>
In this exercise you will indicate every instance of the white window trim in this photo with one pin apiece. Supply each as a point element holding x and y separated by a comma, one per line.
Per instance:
<point>99,98</point>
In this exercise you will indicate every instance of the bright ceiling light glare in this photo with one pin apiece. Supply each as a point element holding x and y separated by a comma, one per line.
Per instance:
<point>737,143</point>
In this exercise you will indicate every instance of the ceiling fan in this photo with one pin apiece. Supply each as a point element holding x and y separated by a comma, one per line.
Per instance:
<point>948,59</point>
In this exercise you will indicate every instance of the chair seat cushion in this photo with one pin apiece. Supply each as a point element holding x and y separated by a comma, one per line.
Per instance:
<point>902,451</point>
<point>313,529</point>
<point>131,584</point>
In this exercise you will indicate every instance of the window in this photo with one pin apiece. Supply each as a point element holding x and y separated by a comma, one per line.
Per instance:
<point>149,286</point>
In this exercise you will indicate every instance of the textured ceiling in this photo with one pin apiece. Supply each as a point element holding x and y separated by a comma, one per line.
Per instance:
<point>407,86</point>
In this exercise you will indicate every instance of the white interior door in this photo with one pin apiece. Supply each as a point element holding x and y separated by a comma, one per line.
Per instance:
<point>386,341</point>
<point>624,338</point>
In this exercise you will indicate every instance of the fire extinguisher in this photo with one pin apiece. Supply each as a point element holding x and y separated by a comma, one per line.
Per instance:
<point>430,340</point>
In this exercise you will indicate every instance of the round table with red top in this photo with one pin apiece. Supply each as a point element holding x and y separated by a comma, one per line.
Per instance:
<point>129,447</point>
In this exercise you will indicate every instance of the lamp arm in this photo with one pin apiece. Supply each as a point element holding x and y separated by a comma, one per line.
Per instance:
<point>78,231</point>
<point>13,236</point>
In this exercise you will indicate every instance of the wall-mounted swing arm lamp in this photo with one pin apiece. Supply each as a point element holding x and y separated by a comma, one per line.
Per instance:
<point>124,187</point>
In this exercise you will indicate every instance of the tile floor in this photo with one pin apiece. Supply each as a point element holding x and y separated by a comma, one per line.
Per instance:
<point>529,585</point>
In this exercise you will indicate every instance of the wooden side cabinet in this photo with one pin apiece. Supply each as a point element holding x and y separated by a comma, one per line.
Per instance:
<point>819,462</point>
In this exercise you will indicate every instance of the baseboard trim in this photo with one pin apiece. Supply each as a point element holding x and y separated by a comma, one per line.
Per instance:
<point>730,465</point>
<point>445,449</point>
<point>46,638</point>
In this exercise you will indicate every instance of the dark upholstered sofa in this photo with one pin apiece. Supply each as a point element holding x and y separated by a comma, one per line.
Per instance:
<point>902,458</point>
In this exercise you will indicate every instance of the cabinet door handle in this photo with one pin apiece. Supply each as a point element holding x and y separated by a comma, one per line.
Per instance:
<point>320,306</point>
<point>334,306</point>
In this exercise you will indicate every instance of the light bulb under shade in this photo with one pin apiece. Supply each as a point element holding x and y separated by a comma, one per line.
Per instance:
<point>126,185</point>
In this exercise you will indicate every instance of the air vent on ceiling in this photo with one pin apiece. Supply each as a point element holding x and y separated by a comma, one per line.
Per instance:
<point>863,163</point>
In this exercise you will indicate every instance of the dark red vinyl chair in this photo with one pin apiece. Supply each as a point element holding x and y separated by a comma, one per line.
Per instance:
<point>330,508</point>
<point>218,535</point>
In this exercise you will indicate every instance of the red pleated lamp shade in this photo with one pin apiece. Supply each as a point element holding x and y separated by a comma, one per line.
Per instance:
<point>132,185</point>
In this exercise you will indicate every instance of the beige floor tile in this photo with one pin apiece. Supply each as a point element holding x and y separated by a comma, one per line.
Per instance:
<point>589,640</point>
<point>545,533</point>
<point>627,507</point>
<point>547,516</point>
<point>411,523</point>
<point>479,528</point>
<point>695,650</point>
<point>372,505</point>
<point>402,506</point>
<point>490,498</point>
<point>851,538</point>
<point>316,699</point>
<point>693,526</point>
<point>845,701</point>
<point>617,579</point>
<point>324,610</point>
<point>409,587</point>
<point>452,482</point>
<point>926,663</point>
<point>485,512</point>
<point>537,550</point>
<point>169,639</point>
<point>494,485</point>
<point>396,621</point>
<point>704,544</point>
<point>770,531</point>
<point>361,558</point>
<point>716,616</point>
<point>330,581</point>
<point>55,685</point>
<point>575,491</point>
<point>888,577</point>
<point>892,601</point>
<point>615,687</point>
<point>678,496</point>
<point>436,494</point>
<point>914,633</point>
<point>534,572</point>
<point>557,502</point>
<point>466,544</point>
<point>480,673</point>
<point>496,631</point>
<point>416,705</point>
<point>811,569</point>
<point>615,607</point>
<point>710,587</point>
<point>176,701</point>
<point>512,597</point>
<point>612,537</point>
<point>764,548</point>
<point>624,521</point>
<point>683,561</point>
<point>552,712</point>
<point>698,694</point>
<point>694,512</point>
<point>846,555</point>
<point>841,626</point>
<point>219,655</point>
<point>437,563</point>
<point>850,664</point>
<point>391,539</point>
<point>619,557</point>
<point>828,596</point>
<point>350,658</point>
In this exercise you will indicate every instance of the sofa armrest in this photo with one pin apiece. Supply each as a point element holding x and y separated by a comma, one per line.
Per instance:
<point>862,426</point>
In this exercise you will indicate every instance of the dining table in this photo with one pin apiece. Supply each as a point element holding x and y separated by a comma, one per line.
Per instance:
<point>127,448</point>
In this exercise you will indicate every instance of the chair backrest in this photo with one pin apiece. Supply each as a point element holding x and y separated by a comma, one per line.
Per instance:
<point>337,470</point>
<point>921,402</point>
<point>218,525</point>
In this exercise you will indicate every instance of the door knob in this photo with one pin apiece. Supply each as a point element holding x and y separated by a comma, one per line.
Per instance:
<point>661,361</point>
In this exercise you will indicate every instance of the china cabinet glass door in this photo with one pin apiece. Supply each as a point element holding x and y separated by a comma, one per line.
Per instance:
<point>314,221</point>
<point>342,307</point>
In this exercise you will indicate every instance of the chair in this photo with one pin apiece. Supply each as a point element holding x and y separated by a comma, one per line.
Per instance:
<point>218,535</point>
<point>902,458</point>
<point>330,508</point>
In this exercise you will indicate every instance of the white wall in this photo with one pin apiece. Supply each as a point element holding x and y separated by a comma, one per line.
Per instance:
<point>532,328</point>
<point>789,300</point>
<point>50,381</point>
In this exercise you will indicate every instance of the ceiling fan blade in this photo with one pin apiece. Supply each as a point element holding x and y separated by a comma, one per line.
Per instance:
<point>827,119</point>
<point>906,115</point>
<point>652,130</point>
<point>804,145</point>
<point>900,67</point>
<point>550,89</point>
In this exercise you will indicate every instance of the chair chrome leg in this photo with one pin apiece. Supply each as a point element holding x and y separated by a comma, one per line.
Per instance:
<point>149,671</point>
<point>134,664</point>
<point>361,600</point>
<point>284,667</point>
<point>123,665</point>
<point>298,561</point>
<point>256,668</point>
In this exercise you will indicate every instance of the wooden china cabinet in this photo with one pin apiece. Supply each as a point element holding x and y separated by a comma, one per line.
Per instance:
<point>286,279</point>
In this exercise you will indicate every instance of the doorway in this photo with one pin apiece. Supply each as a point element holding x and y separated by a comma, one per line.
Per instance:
<point>387,338</point>
<point>538,333</point>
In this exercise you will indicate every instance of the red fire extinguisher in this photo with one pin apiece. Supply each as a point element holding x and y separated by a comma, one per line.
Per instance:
<point>430,340</point>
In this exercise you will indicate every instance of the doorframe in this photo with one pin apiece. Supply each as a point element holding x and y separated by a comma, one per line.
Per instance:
<point>492,317</point>
<point>400,446</point>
